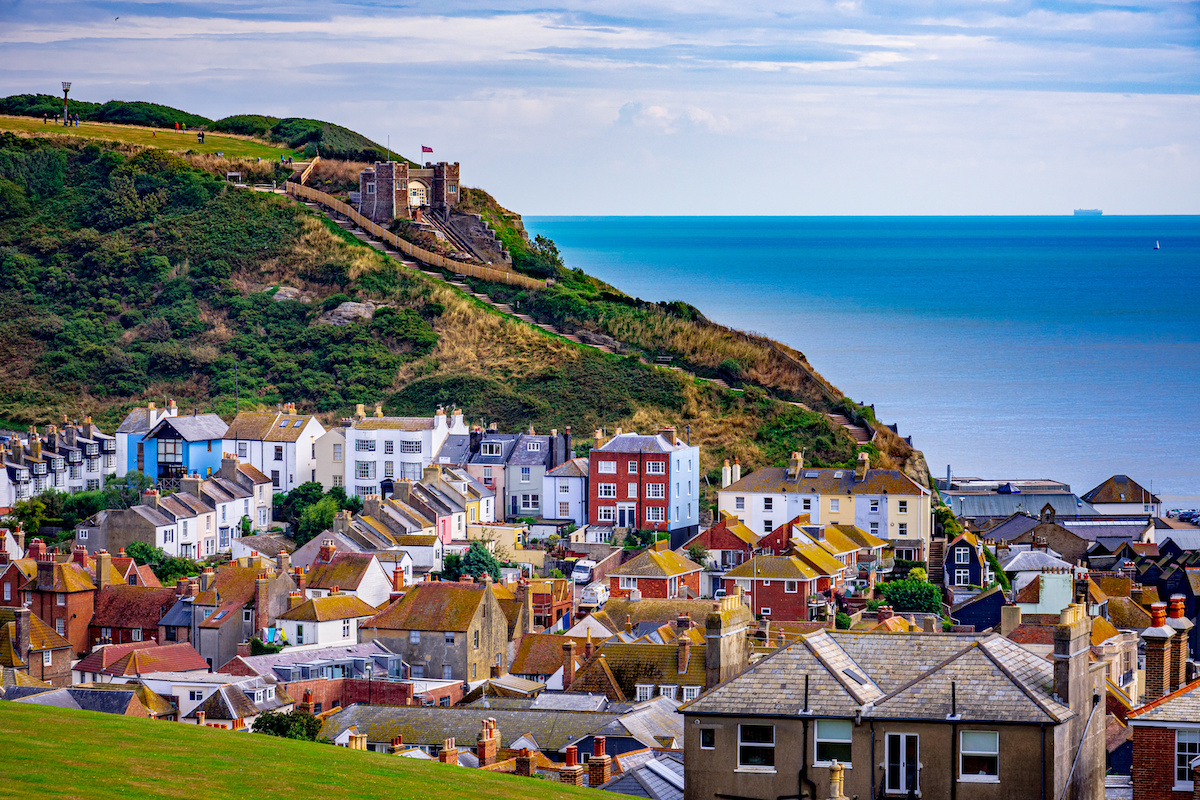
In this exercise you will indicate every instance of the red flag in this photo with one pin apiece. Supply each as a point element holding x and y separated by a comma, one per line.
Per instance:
<point>425,149</point>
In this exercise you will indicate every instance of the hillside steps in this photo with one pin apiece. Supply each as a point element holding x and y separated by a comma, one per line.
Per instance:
<point>936,562</point>
<point>857,432</point>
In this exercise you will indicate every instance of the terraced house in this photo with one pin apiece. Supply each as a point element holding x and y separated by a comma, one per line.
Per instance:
<point>280,444</point>
<point>380,451</point>
<point>907,714</point>
<point>885,503</point>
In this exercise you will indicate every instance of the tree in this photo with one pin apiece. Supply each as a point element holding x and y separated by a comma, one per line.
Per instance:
<point>29,514</point>
<point>842,620</point>
<point>292,724</point>
<point>943,518</point>
<point>452,567</point>
<point>260,648</point>
<point>247,527</point>
<point>912,595</point>
<point>128,492</point>
<point>166,568</point>
<point>918,574</point>
<point>478,561</point>
<point>698,553</point>
<point>317,518</point>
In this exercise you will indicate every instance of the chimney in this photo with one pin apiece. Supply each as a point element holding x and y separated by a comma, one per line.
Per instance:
<point>103,567</point>
<point>456,419</point>
<point>837,777</point>
<point>588,647</point>
<point>1177,620</point>
<point>629,624</point>
<point>360,411</point>
<point>150,498</point>
<point>683,623</point>
<point>1010,618</point>
<point>568,661</point>
<point>476,439</point>
<point>396,746</point>
<point>885,613</point>
<point>306,704</point>
<point>726,651</point>
<point>668,433</point>
<point>439,419</point>
<point>379,409</point>
<point>37,550</point>
<point>262,602</point>
<point>294,599</point>
<point>861,467</point>
<point>737,470</point>
<point>190,484</point>
<point>487,743</point>
<point>526,763</point>
<point>79,555</point>
<point>1158,652</point>
<point>572,772</point>
<point>599,766</point>
<point>371,505</point>
<point>21,620</point>
<point>201,718</point>
<point>1072,646</point>
<point>207,579</point>
<point>449,753</point>
<point>597,440</point>
<point>328,549</point>
<point>726,474</point>
<point>283,562</point>
<point>795,465</point>
<point>568,453</point>
<point>685,653</point>
<point>35,443</point>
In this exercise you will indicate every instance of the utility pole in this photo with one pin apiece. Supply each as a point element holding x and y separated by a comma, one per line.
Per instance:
<point>66,88</point>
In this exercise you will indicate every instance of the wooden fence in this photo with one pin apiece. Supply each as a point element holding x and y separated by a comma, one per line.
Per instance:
<point>308,170</point>
<point>411,250</point>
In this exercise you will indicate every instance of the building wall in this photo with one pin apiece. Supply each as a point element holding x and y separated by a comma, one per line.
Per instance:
<point>575,496</point>
<point>58,673</point>
<point>1154,765</point>
<point>657,588</point>
<point>773,594</point>
<point>75,614</point>
<point>327,634</point>
<point>202,458</point>
<point>326,467</point>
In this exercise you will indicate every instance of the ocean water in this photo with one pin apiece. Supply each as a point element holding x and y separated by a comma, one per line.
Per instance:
<point>1015,347</point>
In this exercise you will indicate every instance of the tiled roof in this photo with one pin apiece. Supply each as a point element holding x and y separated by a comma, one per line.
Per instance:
<point>431,606</point>
<point>197,428</point>
<point>1120,489</point>
<point>268,544</point>
<point>233,583</point>
<point>1011,527</point>
<point>818,558</point>
<point>542,653</point>
<point>1181,705</point>
<point>68,577</point>
<point>181,657</point>
<point>774,568</point>
<point>638,443</point>
<point>657,564</point>
<point>1030,592</point>
<point>774,480</point>
<point>124,606</point>
<point>572,468</point>
<point>103,657</point>
<point>650,610</point>
<point>856,535</point>
<point>394,424</point>
<point>1030,633</point>
<point>41,635</point>
<point>633,664</point>
<point>346,570</point>
<point>1123,612</point>
<point>1102,630</point>
<point>324,609</point>
<point>271,426</point>
<point>255,475</point>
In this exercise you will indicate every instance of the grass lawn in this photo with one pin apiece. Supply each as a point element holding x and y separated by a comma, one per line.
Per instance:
<point>53,752</point>
<point>231,146</point>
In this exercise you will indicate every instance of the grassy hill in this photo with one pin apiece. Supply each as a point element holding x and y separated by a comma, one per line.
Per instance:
<point>137,274</point>
<point>59,753</point>
<point>310,137</point>
<point>117,111</point>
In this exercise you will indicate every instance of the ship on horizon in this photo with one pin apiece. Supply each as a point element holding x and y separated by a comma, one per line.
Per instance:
<point>1088,212</point>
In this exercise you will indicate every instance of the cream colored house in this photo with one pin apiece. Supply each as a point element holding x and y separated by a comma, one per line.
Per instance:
<point>330,461</point>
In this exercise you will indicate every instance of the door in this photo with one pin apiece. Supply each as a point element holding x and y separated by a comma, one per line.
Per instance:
<point>903,766</point>
<point>141,456</point>
<point>516,505</point>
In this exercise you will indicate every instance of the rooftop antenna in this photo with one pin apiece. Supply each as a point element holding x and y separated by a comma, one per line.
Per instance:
<point>66,88</point>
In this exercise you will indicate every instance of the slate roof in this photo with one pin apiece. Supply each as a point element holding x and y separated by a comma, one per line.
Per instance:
<point>1035,560</point>
<point>324,609</point>
<point>1011,527</point>
<point>198,428</point>
<point>266,664</point>
<point>542,653</point>
<point>659,777</point>
<point>181,657</point>
<point>99,700</point>
<point>135,422</point>
<point>905,676</point>
<point>1181,705</point>
<point>638,443</point>
<point>230,702</point>
<point>269,544</point>
<point>657,564</point>
<point>455,450</point>
<point>552,730</point>
<point>124,606</point>
<point>273,426</point>
<point>571,468</point>
<point>774,480</point>
<point>431,606</point>
<point>1120,489</point>
<point>990,504</point>
<point>395,424</point>
<point>152,701</point>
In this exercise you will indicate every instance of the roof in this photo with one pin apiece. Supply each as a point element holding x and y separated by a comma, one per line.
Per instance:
<point>268,544</point>
<point>657,775</point>
<point>181,657</point>
<point>124,606</point>
<point>622,666</point>
<point>773,568</point>
<point>192,428</point>
<point>323,609</point>
<point>135,422</point>
<point>1181,705</point>
<point>69,577</point>
<point>542,653</point>
<point>1034,561</point>
<point>903,675</point>
<point>41,637</point>
<point>552,730</point>
<point>455,450</point>
<point>1120,489</point>
<point>152,701</point>
<point>818,558</point>
<point>432,606</point>
<point>854,535</point>
<point>394,424</point>
<point>107,655</point>
<point>345,570</point>
<point>991,504</point>
<point>265,664</point>
<point>1011,527</point>
<point>233,583</point>
<point>775,480</point>
<point>1030,592</point>
<point>271,426</point>
<point>638,443</point>
<point>650,611</point>
<point>105,702</point>
<point>657,564</point>
<point>571,468</point>
<point>230,702</point>
<point>1124,612</point>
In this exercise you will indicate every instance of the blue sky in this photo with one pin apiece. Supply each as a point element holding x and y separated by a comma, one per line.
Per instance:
<point>697,107</point>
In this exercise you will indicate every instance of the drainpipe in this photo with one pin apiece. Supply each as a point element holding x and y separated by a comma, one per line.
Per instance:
<point>1043,727</point>
<point>804,778</point>
<point>871,770</point>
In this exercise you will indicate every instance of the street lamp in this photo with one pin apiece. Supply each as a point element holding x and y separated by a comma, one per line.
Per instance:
<point>66,88</point>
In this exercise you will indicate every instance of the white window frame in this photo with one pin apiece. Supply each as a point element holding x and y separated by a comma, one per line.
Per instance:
<point>656,468</point>
<point>606,467</point>
<point>1190,737</point>
<point>806,504</point>
<point>47,658</point>
<point>414,637</point>
<point>768,504</point>
<point>690,693</point>
<point>631,492</point>
<point>791,587</point>
<point>963,752</point>
<point>606,514</point>
<point>490,448</point>
<point>364,445</point>
<point>902,506</point>
<point>711,732</point>
<point>606,490</point>
<point>626,582</point>
<point>739,504</point>
<point>656,491</point>
<point>835,505</point>
<point>902,773</point>
<point>668,691</point>
<point>644,692</point>
<point>407,446</point>
<point>633,467</point>
<point>656,514</point>
<point>962,577</point>
<point>826,733</point>
<point>743,744</point>
<point>526,473</point>
<point>962,555</point>
<point>765,611</point>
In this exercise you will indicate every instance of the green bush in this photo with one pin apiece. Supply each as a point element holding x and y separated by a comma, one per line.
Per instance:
<point>912,595</point>
<point>842,620</point>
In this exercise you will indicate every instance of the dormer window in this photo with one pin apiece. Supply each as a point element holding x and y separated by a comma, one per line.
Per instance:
<point>533,447</point>
<point>490,448</point>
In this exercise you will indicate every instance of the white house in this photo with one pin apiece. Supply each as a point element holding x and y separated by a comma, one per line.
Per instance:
<point>188,689</point>
<point>380,450</point>
<point>1121,494</point>
<point>331,459</point>
<point>357,574</point>
<point>564,492</point>
<point>325,621</point>
<point>280,444</point>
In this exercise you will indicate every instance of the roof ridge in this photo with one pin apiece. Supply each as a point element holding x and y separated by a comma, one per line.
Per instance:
<point>1038,701</point>
<point>1153,704</point>
<point>935,668</point>
<point>836,673</point>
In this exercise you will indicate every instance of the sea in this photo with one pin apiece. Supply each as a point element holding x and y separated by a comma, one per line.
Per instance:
<point>1006,347</point>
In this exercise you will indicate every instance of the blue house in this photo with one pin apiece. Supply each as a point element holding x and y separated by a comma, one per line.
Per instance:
<point>964,563</point>
<point>178,446</point>
<point>131,436</point>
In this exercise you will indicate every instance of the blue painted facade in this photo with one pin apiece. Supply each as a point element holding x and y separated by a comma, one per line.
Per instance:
<point>175,447</point>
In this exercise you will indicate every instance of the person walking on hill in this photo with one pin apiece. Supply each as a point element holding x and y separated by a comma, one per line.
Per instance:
<point>45,117</point>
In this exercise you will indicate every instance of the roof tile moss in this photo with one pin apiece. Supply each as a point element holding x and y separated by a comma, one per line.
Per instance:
<point>774,480</point>
<point>542,653</point>
<point>324,609</point>
<point>345,570</point>
<point>124,606</point>
<point>41,635</point>
<point>432,606</point>
<point>657,564</point>
<point>773,568</point>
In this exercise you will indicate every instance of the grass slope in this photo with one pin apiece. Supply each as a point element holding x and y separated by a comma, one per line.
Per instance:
<point>60,753</point>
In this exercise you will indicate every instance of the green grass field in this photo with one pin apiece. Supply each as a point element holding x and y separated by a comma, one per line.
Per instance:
<point>53,752</point>
<point>231,146</point>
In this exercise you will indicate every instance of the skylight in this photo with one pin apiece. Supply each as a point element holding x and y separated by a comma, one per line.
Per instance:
<point>854,676</point>
<point>298,423</point>
<point>283,424</point>
<point>810,475</point>
<point>837,474</point>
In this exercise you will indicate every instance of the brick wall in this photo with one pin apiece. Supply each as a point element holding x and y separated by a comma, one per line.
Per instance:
<point>1154,765</point>
<point>58,673</point>
<point>784,605</point>
<point>331,692</point>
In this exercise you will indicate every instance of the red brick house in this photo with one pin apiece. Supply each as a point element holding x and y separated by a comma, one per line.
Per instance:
<point>30,646</point>
<point>63,595</point>
<point>127,613</point>
<point>778,586</point>
<point>656,573</point>
<point>17,579</point>
<point>552,599</point>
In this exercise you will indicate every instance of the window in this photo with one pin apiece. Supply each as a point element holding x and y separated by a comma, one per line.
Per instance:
<point>962,577</point>
<point>448,637</point>
<point>768,503</point>
<point>564,486</point>
<point>195,695</point>
<point>644,691</point>
<point>389,469</point>
<point>739,504</point>
<point>364,446</point>
<point>338,480</point>
<point>668,691</point>
<point>962,555</point>
<point>607,514</point>
<point>833,740</point>
<point>274,483</point>
<point>768,526</point>
<point>791,587</point>
<point>756,747</point>
<point>169,633</point>
<point>389,447</point>
<point>874,528</point>
<point>243,449</point>
<point>708,736</point>
<point>492,449</point>
<point>655,514</point>
<point>447,672</point>
<point>418,671</point>
<point>410,447</point>
<point>60,599</point>
<point>47,658</point>
<point>835,505</point>
<point>279,452</point>
<point>902,528</point>
<point>530,502</point>
<point>135,635</point>
<point>169,450</point>
<point>607,468</point>
<point>627,582</point>
<point>414,637</point>
<point>93,485</point>
<point>337,453</point>
<point>807,504</point>
<point>765,611</point>
<point>901,761</point>
<point>656,468</point>
<point>979,756</point>
<point>345,629</point>
<point>874,506</point>
<point>1187,747</point>
<point>525,473</point>
<point>902,506</point>
<point>477,639</point>
<point>533,447</point>
<point>656,491</point>
<point>60,626</point>
<point>631,491</point>
<point>690,693</point>
<point>364,469</point>
<point>564,510</point>
<point>7,592</point>
<point>606,490</point>
<point>75,471</point>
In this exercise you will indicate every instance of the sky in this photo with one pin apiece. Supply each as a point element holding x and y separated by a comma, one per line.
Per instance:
<point>696,107</point>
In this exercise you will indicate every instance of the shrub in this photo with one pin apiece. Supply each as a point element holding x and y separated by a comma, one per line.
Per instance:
<point>912,595</point>
<point>842,620</point>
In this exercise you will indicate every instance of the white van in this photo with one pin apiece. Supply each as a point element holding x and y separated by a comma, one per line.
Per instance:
<point>595,595</point>
<point>583,571</point>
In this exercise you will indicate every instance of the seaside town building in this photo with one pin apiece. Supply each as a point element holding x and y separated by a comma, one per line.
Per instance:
<point>280,444</point>
<point>400,190</point>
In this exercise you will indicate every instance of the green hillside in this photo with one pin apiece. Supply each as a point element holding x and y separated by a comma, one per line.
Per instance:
<point>59,753</point>
<point>116,111</point>
<point>309,136</point>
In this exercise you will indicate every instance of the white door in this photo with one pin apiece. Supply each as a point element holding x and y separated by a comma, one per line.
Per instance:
<point>903,765</point>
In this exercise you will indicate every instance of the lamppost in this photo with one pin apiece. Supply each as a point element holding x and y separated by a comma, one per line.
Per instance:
<point>66,88</point>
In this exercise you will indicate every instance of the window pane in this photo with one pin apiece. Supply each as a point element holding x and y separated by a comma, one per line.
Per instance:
<point>758,734</point>
<point>980,765</point>
<point>708,738</point>
<point>980,742</point>
<point>751,756</point>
